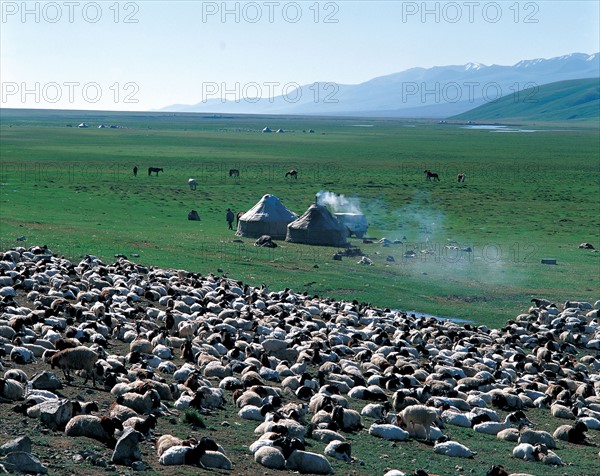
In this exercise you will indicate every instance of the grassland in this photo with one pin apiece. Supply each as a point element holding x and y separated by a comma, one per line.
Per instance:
<point>527,196</point>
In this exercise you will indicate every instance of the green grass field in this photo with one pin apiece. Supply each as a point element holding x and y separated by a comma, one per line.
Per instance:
<point>527,196</point>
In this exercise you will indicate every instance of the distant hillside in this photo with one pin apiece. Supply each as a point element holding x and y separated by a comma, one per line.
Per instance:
<point>436,92</point>
<point>577,99</point>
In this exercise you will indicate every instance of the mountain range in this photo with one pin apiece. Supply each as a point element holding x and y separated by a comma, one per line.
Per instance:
<point>437,92</point>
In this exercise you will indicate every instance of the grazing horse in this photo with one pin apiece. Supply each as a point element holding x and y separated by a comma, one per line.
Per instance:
<point>234,173</point>
<point>292,173</point>
<point>192,183</point>
<point>460,177</point>
<point>431,175</point>
<point>155,170</point>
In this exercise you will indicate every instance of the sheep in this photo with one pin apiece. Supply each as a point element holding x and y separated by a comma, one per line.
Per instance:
<point>572,434</point>
<point>99,428</point>
<point>560,411</point>
<point>270,457</point>
<point>11,390</point>
<point>141,404</point>
<point>534,437</point>
<point>453,449</point>
<point>388,431</point>
<point>418,415</point>
<point>493,428</point>
<point>549,457</point>
<point>78,358</point>
<point>346,419</point>
<point>308,463</point>
<point>339,450</point>
<point>167,441</point>
<point>526,451</point>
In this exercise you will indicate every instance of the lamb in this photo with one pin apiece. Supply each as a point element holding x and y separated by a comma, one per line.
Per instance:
<point>421,415</point>
<point>549,457</point>
<point>99,428</point>
<point>308,463</point>
<point>526,451</point>
<point>78,358</point>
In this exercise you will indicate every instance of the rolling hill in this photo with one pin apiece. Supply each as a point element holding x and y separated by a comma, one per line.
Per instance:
<point>577,99</point>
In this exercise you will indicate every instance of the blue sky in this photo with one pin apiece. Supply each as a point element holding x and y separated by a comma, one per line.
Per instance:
<point>145,55</point>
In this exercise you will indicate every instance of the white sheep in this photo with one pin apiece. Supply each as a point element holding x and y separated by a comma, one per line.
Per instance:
<point>388,431</point>
<point>454,449</point>
<point>308,463</point>
<point>421,415</point>
<point>11,390</point>
<point>270,457</point>
<point>78,358</point>
<point>525,451</point>
<point>534,437</point>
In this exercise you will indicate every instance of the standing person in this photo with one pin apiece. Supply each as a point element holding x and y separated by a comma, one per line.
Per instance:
<point>230,217</point>
<point>135,169</point>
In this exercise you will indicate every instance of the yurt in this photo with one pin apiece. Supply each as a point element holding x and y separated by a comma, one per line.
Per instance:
<point>317,227</point>
<point>268,217</point>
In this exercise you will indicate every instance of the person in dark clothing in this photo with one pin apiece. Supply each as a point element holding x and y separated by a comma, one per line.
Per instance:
<point>135,169</point>
<point>230,217</point>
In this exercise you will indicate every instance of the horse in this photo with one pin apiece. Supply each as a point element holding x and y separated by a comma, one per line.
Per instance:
<point>192,183</point>
<point>431,175</point>
<point>155,170</point>
<point>234,173</point>
<point>460,177</point>
<point>292,173</point>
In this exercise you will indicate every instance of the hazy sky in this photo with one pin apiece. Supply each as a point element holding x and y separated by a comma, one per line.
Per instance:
<point>145,55</point>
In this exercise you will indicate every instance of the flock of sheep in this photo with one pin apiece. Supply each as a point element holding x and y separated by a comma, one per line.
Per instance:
<point>301,367</point>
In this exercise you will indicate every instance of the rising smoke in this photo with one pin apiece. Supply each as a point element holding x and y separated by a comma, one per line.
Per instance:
<point>338,203</point>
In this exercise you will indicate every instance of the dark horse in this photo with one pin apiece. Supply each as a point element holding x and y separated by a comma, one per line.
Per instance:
<point>155,170</point>
<point>234,173</point>
<point>292,173</point>
<point>431,175</point>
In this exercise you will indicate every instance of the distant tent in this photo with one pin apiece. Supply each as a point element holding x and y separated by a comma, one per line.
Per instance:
<point>268,217</point>
<point>83,125</point>
<point>279,131</point>
<point>266,129</point>
<point>317,227</point>
<point>101,126</point>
